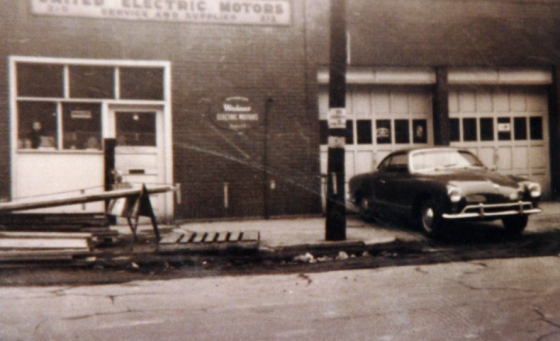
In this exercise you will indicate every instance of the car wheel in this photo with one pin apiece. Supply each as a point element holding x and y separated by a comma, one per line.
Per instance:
<point>430,218</point>
<point>365,210</point>
<point>515,225</point>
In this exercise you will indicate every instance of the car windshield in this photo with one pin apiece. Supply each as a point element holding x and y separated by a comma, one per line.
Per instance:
<point>443,159</point>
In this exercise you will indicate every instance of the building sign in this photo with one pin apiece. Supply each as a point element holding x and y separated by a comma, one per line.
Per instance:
<point>337,118</point>
<point>237,113</point>
<point>256,12</point>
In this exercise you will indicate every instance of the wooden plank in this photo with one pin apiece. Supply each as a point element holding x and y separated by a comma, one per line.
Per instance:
<point>46,235</point>
<point>234,236</point>
<point>171,238</point>
<point>222,237</point>
<point>29,243</point>
<point>189,236</point>
<point>80,199</point>
<point>199,238</point>
<point>251,236</point>
<point>40,255</point>
<point>211,237</point>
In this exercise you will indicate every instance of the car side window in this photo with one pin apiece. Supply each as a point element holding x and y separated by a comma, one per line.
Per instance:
<point>384,164</point>
<point>398,164</point>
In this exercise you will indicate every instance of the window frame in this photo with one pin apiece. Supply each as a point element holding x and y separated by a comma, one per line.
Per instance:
<point>104,102</point>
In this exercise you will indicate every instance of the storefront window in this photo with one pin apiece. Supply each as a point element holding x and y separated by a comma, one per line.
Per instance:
<point>81,125</point>
<point>504,128</point>
<point>37,80</point>
<point>454,130</point>
<point>92,82</point>
<point>141,83</point>
<point>383,131</point>
<point>469,129</point>
<point>37,128</point>
<point>136,129</point>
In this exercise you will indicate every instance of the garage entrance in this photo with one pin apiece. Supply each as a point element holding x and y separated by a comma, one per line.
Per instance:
<point>507,127</point>
<point>380,119</point>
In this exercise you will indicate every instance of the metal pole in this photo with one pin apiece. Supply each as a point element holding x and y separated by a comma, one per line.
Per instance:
<point>266,185</point>
<point>336,202</point>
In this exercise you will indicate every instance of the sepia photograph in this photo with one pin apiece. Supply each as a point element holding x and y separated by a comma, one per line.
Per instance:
<point>384,170</point>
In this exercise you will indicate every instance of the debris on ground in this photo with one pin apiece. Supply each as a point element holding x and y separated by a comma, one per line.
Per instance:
<point>306,258</point>
<point>342,256</point>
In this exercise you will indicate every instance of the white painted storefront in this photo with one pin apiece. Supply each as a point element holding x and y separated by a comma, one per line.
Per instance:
<point>67,157</point>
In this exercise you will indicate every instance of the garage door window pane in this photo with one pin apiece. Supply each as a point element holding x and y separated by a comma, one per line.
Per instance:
<point>37,125</point>
<point>349,132</point>
<point>420,129</point>
<point>141,83</point>
<point>454,130</point>
<point>520,128</point>
<point>402,133</point>
<point>364,132</point>
<point>536,128</point>
<point>469,129</point>
<point>81,125</point>
<point>486,129</point>
<point>504,128</point>
<point>92,82</point>
<point>324,131</point>
<point>136,129</point>
<point>36,80</point>
<point>383,131</point>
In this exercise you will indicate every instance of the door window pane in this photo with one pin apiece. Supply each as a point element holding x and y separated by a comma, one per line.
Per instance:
<point>402,133</point>
<point>454,130</point>
<point>487,129</point>
<point>37,125</point>
<point>36,80</point>
<point>141,83</point>
<point>504,128</point>
<point>81,125</point>
<point>92,82</point>
<point>136,128</point>
<point>469,129</point>
<point>520,128</point>
<point>383,131</point>
<point>536,128</point>
<point>364,132</point>
<point>420,128</point>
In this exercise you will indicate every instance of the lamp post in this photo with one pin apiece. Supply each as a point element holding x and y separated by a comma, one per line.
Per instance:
<point>335,227</point>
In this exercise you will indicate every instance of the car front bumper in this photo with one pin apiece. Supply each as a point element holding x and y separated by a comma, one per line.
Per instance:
<point>481,210</point>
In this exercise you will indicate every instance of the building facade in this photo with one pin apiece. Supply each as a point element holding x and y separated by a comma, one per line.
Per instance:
<point>229,98</point>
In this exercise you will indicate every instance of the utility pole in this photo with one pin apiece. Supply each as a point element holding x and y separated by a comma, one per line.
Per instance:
<point>336,199</point>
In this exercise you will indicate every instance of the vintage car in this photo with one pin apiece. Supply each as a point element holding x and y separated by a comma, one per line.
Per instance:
<point>435,186</point>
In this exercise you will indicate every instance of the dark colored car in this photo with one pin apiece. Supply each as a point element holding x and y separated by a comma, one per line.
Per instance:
<point>434,186</point>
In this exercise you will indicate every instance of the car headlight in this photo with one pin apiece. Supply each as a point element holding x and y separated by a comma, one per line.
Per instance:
<point>534,190</point>
<point>454,194</point>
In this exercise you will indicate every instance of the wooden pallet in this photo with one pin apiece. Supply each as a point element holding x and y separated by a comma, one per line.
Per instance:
<point>189,241</point>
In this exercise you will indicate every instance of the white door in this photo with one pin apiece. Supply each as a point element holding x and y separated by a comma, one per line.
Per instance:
<point>380,120</point>
<point>139,155</point>
<point>506,128</point>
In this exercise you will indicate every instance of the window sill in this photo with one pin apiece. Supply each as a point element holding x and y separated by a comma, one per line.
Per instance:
<point>44,151</point>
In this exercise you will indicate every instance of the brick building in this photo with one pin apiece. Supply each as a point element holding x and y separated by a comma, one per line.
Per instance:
<point>229,98</point>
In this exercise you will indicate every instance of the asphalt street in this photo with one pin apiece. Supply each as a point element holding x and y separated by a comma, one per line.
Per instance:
<point>505,299</point>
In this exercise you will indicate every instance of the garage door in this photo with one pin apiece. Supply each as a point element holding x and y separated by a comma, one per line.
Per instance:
<point>380,120</point>
<point>506,127</point>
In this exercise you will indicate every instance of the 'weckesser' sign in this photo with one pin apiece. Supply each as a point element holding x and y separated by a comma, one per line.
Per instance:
<point>257,12</point>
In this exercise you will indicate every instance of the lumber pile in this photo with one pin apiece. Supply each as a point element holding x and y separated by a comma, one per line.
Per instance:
<point>42,246</point>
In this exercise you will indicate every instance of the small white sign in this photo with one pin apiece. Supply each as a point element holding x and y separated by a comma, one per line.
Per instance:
<point>337,118</point>
<point>504,127</point>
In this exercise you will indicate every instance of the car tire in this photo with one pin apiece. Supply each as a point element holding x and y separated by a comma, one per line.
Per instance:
<point>515,225</point>
<point>430,218</point>
<point>365,210</point>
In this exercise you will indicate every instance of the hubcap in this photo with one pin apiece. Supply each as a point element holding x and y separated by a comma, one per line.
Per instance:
<point>428,218</point>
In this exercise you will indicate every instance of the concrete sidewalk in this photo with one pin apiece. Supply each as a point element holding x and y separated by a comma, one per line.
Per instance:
<point>309,233</point>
